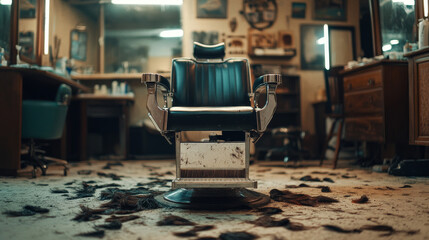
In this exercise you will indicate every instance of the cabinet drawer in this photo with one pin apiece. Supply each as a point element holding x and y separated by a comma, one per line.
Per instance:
<point>365,129</point>
<point>365,102</point>
<point>364,80</point>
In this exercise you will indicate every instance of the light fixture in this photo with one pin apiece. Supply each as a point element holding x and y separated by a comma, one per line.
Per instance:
<point>425,8</point>
<point>148,2</point>
<point>387,47</point>
<point>394,41</point>
<point>5,2</point>
<point>326,38</point>
<point>320,41</point>
<point>406,2</point>
<point>174,33</point>
<point>46,30</point>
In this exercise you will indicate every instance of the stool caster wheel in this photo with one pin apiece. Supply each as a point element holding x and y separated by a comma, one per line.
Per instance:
<point>65,171</point>
<point>43,172</point>
<point>33,173</point>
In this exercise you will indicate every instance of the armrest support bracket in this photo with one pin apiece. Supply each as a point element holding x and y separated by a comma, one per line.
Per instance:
<point>157,115</point>
<point>265,114</point>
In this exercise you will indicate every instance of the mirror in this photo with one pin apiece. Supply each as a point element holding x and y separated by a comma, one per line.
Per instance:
<point>5,25</point>
<point>30,30</point>
<point>394,24</point>
<point>138,39</point>
<point>341,45</point>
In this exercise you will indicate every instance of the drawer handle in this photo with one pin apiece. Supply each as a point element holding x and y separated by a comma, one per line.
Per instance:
<point>350,86</point>
<point>371,82</point>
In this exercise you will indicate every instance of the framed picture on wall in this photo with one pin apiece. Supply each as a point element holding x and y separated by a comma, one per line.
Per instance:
<point>312,47</point>
<point>211,8</point>
<point>298,9</point>
<point>333,10</point>
<point>78,43</point>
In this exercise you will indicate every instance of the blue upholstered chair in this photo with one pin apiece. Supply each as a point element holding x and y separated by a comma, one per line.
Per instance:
<point>211,94</point>
<point>44,120</point>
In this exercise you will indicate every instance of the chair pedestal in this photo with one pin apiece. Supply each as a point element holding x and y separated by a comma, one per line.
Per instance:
<point>213,175</point>
<point>216,163</point>
<point>213,198</point>
<point>37,159</point>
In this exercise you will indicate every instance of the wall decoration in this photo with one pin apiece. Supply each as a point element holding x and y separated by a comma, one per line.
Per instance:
<point>286,39</point>
<point>211,8</point>
<point>236,44</point>
<point>78,42</point>
<point>271,44</point>
<point>203,37</point>
<point>262,39</point>
<point>312,47</point>
<point>334,10</point>
<point>298,9</point>
<point>260,14</point>
<point>233,24</point>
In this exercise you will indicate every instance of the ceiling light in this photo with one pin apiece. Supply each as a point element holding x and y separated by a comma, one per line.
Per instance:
<point>425,8</point>
<point>148,2</point>
<point>387,47</point>
<point>326,47</point>
<point>321,41</point>
<point>5,2</point>
<point>171,33</point>
<point>394,41</point>
<point>406,2</point>
<point>46,29</point>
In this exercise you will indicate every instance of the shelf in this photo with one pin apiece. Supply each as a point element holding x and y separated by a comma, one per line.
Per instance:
<point>90,96</point>
<point>270,53</point>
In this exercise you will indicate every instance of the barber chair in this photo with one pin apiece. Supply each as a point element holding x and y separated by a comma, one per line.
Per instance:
<point>44,120</point>
<point>211,94</point>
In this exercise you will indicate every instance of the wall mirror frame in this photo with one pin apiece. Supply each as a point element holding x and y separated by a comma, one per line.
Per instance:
<point>341,37</point>
<point>38,35</point>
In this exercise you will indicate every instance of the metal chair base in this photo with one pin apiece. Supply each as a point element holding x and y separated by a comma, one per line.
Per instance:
<point>213,198</point>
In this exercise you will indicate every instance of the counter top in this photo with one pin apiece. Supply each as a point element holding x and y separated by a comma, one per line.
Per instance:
<point>373,64</point>
<point>417,52</point>
<point>90,96</point>
<point>45,77</point>
<point>111,76</point>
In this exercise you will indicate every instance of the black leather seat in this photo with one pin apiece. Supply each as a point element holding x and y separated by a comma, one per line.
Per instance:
<point>211,96</point>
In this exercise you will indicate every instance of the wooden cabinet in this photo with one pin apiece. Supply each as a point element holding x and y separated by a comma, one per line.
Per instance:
<point>418,63</point>
<point>375,102</point>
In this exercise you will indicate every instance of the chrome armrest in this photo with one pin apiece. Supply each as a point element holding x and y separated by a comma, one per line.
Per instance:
<point>156,114</point>
<point>265,114</point>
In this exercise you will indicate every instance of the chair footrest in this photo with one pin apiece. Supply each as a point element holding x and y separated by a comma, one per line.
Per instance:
<point>214,183</point>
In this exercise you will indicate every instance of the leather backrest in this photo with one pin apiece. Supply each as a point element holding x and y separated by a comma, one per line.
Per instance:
<point>223,83</point>
<point>202,51</point>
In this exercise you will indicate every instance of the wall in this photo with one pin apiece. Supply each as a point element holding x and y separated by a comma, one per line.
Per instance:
<point>311,81</point>
<point>63,19</point>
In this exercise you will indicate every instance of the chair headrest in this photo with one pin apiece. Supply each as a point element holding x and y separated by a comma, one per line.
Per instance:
<point>202,51</point>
